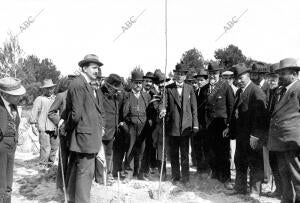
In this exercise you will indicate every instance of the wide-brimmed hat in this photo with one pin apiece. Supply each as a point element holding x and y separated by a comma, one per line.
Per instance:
<point>213,67</point>
<point>137,75</point>
<point>47,83</point>
<point>114,81</point>
<point>12,86</point>
<point>149,75</point>
<point>180,68</point>
<point>259,67</point>
<point>90,58</point>
<point>240,69</point>
<point>288,63</point>
<point>160,77</point>
<point>200,73</point>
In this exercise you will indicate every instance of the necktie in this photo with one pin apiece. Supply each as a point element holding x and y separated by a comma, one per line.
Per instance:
<point>179,85</point>
<point>13,111</point>
<point>282,92</point>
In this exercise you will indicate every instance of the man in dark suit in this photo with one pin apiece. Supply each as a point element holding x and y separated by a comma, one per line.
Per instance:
<point>219,100</point>
<point>149,162</point>
<point>274,91</point>
<point>200,139</point>
<point>111,104</point>
<point>134,112</point>
<point>284,130</point>
<point>258,75</point>
<point>181,121</point>
<point>248,126</point>
<point>10,94</point>
<point>84,127</point>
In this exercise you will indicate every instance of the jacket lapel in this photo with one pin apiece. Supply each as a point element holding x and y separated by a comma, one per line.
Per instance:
<point>286,97</point>
<point>174,93</point>
<point>91,92</point>
<point>185,95</point>
<point>245,94</point>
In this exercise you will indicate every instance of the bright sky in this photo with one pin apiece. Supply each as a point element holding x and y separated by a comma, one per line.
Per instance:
<point>67,30</point>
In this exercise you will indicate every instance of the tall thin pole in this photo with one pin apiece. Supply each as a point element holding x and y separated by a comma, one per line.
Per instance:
<point>164,96</point>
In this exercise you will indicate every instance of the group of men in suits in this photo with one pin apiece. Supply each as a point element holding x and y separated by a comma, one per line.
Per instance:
<point>106,126</point>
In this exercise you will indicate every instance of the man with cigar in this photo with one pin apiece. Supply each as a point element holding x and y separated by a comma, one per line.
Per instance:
<point>84,127</point>
<point>11,91</point>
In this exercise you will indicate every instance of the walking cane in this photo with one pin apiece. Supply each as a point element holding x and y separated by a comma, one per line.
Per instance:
<point>62,166</point>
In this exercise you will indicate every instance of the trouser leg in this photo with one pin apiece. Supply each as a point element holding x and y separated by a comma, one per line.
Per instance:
<point>286,177</point>
<point>241,166</point>
<point>184,153</point>
<point>256,173</point>
<point>174,155</point>
<point>54,145</point>
<point>275,171</point>
<point>45,147</point>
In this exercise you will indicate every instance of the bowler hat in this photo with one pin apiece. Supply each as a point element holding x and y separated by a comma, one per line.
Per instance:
<point>114,81</point>
<point>201,72</point>
<point>12,86</point>
<point>259,67</point>
<point>47,83</point>
<point>273,69</point>
<point>179,68</point>
<point>149,75</point>
<point>213,67</point>
<point>240,69</point>
<point>90,58</point>
<point>137,75</point>
<point>159,77</point>
<point>288,63</point>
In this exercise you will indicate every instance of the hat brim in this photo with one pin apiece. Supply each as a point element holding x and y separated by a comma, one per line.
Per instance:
<point>18,92</point>
<point>241,73</point>
<point>85,61</point>
<point>160,81</point>
<point>289,67</point>
<point>118,88</point>
<point>180,71</point>
<point>148,77</point>
<point>47,86</point>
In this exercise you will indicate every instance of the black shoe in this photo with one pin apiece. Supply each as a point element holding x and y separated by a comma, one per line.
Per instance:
<point>122,176</point>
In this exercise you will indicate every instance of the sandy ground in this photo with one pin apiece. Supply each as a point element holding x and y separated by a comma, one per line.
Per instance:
<point>33,185</point>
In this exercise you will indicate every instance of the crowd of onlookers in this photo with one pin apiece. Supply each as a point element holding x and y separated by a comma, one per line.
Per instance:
<point>246,118</point>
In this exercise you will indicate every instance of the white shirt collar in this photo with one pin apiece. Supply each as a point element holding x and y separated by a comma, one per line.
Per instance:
<point>262,83</point>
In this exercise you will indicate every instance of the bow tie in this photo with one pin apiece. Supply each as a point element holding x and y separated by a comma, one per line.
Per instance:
<point>179,85</point>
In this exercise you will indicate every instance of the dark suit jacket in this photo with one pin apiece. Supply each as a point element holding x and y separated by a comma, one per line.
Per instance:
<point>218,105</point>
<point>111,106</point>
<point>85,117</point>
<point>4,118</point>
<point>57,107</point>
<point>284,133</point>
<point>180,118</point>
<point>250,115</point>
